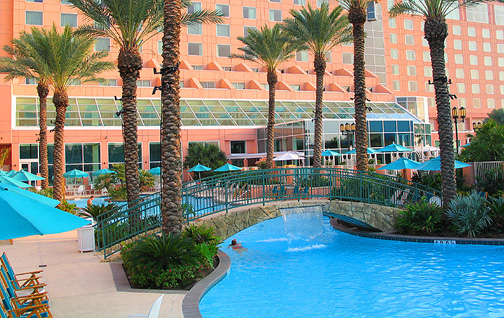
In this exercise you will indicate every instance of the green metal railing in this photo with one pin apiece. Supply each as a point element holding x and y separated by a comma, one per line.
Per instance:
<point>227,191</point>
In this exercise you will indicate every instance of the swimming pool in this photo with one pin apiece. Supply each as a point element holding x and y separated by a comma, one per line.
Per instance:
<point>339,275</point>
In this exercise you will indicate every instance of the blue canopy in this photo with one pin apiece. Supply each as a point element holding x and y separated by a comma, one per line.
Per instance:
<point>330,153</point>
<point>400,164</point>
<point>393,147</point>
<point>435,165</point>
<point>14,182</point>
<point>227,167</point>
<point>155,171</point>
<point>199,168</point>
<point>11,173</point>
<point>32,195</point>
<point>26,176</point>
<point>103,171</point>
<point>75,173</point>
<point>23,216</point>
<point>354,151</point>
<point>463,146</point>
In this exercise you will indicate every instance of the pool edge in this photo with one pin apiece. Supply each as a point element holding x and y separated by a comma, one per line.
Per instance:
<point>190,304</point>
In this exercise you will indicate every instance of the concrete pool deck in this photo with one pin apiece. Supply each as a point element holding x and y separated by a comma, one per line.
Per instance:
<point>79,284</point>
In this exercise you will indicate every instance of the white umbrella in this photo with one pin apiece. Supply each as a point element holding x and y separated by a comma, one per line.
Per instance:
<point>289,155</point>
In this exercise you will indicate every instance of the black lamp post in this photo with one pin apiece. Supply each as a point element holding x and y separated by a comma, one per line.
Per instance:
<point>476,126</point>
<point>456,114</point>
<point>348,129</point>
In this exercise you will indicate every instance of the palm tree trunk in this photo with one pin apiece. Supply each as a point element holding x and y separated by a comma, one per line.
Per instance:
<point>171,163</point>
<point>319,64</point>
<point>60,100</point>
<point>129,64</point>
<point>43,91</point>
<point>436,32</point>
<point>272,81</point>
<point>361,135</point>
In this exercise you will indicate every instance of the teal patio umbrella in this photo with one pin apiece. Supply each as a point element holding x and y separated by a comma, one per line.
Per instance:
<point>14,182</point>
<point>199,168</point>
<point>393,147</point>
<point>227,167</point>
<point>330,153</point>
<point>155,171</point>
<point>11,173</point>
<point>75,173</point>
<point>435,165</point>
<point>102,171</point>
<point>23,216</point>
<point>369,151</point>
<point>26,176</point>
<point>400,164</point>
<point>32,195</point>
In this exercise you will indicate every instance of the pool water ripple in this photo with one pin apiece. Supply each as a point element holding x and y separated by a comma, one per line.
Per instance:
<point>340,275</point>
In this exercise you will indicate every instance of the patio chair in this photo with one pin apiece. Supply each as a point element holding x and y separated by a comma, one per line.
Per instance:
<point>274,191</point>
<point>35,305</point>
<point>21,291</point>
<point>305,193</point>
<point>26,279</point>
<point>295,192</point>
<point>155,309</point>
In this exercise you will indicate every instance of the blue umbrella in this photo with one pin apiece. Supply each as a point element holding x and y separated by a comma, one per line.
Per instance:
<point>155,171</point>
<point>2,173</point>
<point>330,153</point>
<point>463,146</point>
<point>400,164</point>
<point>11,173</point>
<point>227,167</point>
<point>393,147</point>
<point>102,171</point>
<point>199,168</point>
<point>22,216</point>
<point>26,176</point>
<point>435,165</point>
<point>37,197</point>
<point>14,182</point>
<point>369,151</point>
<point>75,173</point>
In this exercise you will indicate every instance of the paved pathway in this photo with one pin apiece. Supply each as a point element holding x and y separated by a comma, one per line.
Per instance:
<point>78,284</point>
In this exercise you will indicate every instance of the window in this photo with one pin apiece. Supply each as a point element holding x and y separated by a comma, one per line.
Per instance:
<point>489,75</point>
<point>392,23</point>
<point>491,103</point>
<point>371,11</point>
<point>275,15</point>
<point>239,85</point>
<point>486,32</point>
<point>473,46</point>
<point>31,81</point>
<point>460,88</point>
<point>223,30</point>
<point>116,153</point>
<point>279,1</point>
<point>429,87</point>
<point>238,147</point>
<point>500,61</point>
<point>64,2</point>
<point>69,19</point>
<point>195,29</point>
<point>410,55</point>
<point>459,59</point>
<point>39,1</point>
<point>198,67</point>
<point>499,14</point>
<point>427,71</point>
<point>412,70</point>
<point>246,30</point>
<point>409,39</point>
<point>393,38</point>
<point>473,59</point>
<point>223,50</point>
<point>471,31</point>
<point>33,18</point>
<point>459,73</point>
<point>500,48</point>
<point>160,47</point>
<point>474,74</point>
<point>143,83</point>
<point>426,56</point>
<point>195,48</point>
<point>347,58</point>
<point>85,157</point>
<point>320,2</point>
<point>487,47</point>
<point>396,85</point>
<point>296,87</point>
<point>501,75</point>
<point>477,13</point>
<point>109,82</point>
<point>299,2</point>
<point>194,7</point>
<point>499,34</point>
<point>394,54</point>
<point>454,14</point>
<point>208,84</point>
<point>102,44</point>
<point>457,30</point>
<point>395,69</point>
<point>457,44</point>
<point>249,13</point>
<point>490,89</point>
<point>302,56</point>
<point>475,88</point>
<point>408,24</point>
<point>412,86</point>
<point>476,103</point>
<point>223,9</point>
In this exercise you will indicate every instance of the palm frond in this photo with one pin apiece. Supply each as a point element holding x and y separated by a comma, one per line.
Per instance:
<point>201,16</point>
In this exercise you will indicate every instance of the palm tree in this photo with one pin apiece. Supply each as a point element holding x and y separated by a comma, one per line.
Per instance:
<point>436,31</point>
<point>357,16</point>
<point>497,115</point>
<point>130,23</point>
<point>320,30</point>
<point>24,63</point>
<point>269,47</point>
<point>171,165</point>
<point>69,59</point>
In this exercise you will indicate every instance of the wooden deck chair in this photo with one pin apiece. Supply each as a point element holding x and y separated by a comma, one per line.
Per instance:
<point>155,309</point>
<point>35,305</point>
<point>306,192</point>
<point>21,291</point>
<point>295,192</point>
<point>20,279</point>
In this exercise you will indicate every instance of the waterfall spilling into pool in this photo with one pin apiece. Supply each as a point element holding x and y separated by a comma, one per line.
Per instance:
<point>302,223</point>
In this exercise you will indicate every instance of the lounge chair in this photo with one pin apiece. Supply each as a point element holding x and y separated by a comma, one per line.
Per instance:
<point>305,193</point>
<point>274,191</point>
<point>295,192</point>
<point>19,280</point>
<point>33,305</point>
<point>21,291</point>
<point>155,309</point>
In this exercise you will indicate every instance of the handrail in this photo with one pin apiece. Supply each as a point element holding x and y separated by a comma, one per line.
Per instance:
<point>226,191</point>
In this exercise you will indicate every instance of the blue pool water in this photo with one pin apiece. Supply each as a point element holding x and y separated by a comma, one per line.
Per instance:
<point>82,203</point>
<point>340,275</point>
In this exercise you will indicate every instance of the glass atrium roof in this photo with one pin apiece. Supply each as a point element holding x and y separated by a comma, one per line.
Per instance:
<point>99,112</point>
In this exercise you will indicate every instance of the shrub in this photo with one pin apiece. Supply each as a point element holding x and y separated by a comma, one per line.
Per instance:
<point>261,163</point>
<point>420,217</point>
<point>492,181</point>
<point>496,206</point>
<point>201,234</point>
<point>95,210</point>
<point>67,207</point>
<point>469,214</point>
<point>45,192</point>
<point>427,179</point>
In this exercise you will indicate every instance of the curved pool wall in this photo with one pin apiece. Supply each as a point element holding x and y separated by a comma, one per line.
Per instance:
<point>340,275</point>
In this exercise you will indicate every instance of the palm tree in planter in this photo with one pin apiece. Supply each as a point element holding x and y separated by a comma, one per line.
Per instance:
<point>130,23</point>
<point>434,13</point>
<point>25,63</point>
<point>269,47</point>
<point>320,30</point>
<point>70,59</point>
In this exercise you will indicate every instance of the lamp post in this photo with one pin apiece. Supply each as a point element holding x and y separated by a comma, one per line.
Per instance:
<point>456,114</point>
<point>348,129</point>
<point>476,126</point>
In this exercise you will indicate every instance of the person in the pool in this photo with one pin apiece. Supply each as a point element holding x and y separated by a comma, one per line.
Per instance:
<point>90,201</point>
<point>237,247</point>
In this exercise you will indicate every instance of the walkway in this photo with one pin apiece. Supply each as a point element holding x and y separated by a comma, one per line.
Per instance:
<point>78,284</point>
